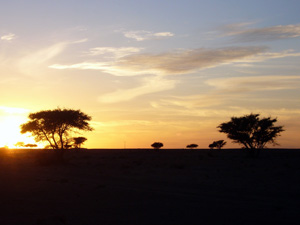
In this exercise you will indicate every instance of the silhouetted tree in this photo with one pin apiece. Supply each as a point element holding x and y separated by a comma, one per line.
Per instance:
<point>78,141</point>
<point>55,126</point>
<point>192,146</point>
<point>220,144</point>
<point>251,131</point>
<point>217,144</point>
<point>157,145</point>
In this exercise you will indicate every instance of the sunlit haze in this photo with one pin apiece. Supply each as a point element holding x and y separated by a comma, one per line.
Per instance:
<point>146,71</point>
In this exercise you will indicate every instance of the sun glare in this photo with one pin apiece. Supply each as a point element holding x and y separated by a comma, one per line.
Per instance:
<point>10,131</point>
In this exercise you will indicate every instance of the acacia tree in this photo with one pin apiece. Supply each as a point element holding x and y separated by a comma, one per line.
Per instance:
<point>251,131</point>
<point>55,126</point>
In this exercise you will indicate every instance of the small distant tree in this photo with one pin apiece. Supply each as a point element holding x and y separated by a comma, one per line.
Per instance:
<point>157,145</point>
<point>251,132</point>
<point>217,144</point>
<point>192,146</point>
<point>78,141</point>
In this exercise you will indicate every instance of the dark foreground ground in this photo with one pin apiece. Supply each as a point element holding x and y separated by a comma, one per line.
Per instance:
<point>139,187</point>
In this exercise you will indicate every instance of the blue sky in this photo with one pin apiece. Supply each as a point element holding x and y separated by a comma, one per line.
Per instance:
<point>146,71</point>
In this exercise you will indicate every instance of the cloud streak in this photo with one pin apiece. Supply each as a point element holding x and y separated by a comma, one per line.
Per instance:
<point>143,35</point>
<point>270,55</point>
<point>187,61</point>
<point>8,37</point>
<point>253,84</point>
<point>13,110</point>
<point>241,33</point>
<point>189,102</point>
<point>30,62</point>
<point>111,52</point>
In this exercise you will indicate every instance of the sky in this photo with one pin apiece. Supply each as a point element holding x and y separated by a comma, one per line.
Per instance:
<point>147,71</point>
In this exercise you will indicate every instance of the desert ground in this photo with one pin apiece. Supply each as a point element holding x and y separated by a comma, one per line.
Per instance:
<point>139,186</point>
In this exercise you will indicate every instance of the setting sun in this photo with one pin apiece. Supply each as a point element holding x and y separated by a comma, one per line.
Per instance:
<point>10,121</point>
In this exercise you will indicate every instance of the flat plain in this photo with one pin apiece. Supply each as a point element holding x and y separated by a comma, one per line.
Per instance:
<point>143,186</point>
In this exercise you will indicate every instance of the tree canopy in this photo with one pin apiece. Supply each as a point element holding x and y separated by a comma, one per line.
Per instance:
<point>251,131</point>
<point>157,145</point>
<point>55,126</point>
<point>192,146</point>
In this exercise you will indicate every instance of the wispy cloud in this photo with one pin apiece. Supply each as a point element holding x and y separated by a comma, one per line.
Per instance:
<point>119,123</point>
<point>32,60</point>
<point>267,56</point>
<point>78,41</point>
<point>243,33</point>
<point>252,84</point>
<point>8,37</point>
<point>44,54</point>
<point>189,102</point>
<point>186,61</point>
<point>142,35</point>
<point>111,52</point>
<point>31,63</point>
<point>148,86</point>
<point>104,66</point>
<point>177,62</point>
<point>109,58</point>
<point>13,110</point>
